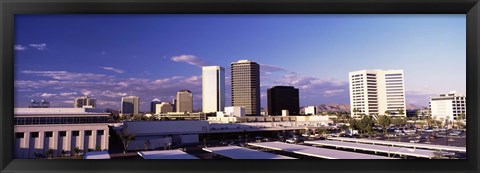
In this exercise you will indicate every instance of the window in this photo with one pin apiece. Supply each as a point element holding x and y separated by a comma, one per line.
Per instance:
<point>34,134</point>
<point>100,132</point>
<point>88,133</point>
<point>75,133</point>
<point>19,135</point>
<point>48,134</point>
<point>62,133</point>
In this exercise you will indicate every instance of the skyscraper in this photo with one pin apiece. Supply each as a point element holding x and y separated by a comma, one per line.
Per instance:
<point>184,101</point>
<point>213,88</point>
<point>377,92</point>
<point>84,101</point>
<point>129,105</point>
<point>153,105</point>
<point>246,86</point>
<point>283,98</point>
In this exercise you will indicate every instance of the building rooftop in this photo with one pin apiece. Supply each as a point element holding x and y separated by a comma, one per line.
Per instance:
<point>58,111</point>
<point>166,154</point>
<point>236,152</point>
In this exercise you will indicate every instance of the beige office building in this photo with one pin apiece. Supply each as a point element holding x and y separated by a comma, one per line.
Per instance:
<point>184,101</point>
<point>377,92</point>
<point>84,101</point>
<point>245,79</point>
<point>163,107</point>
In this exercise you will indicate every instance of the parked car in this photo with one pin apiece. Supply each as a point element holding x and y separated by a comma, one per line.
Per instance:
<point>414,141</point>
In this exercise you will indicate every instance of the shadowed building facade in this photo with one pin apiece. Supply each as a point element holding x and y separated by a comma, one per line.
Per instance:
<point>184,101</point>
<point>245,78</point>
<point>283,98</point>
<point>129,105</point>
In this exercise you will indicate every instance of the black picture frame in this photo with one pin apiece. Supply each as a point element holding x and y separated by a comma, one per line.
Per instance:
<point>9,8</point>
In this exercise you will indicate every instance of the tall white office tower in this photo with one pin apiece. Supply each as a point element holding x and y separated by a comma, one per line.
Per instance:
<point>213,89</point>
<point>377,92</point>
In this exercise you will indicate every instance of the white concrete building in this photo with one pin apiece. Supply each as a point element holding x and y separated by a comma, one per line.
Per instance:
<point>129,105</point>
<point>235,111</point>
<point>311,110</point>
<point>450,105</point>
<point>377,92</point>
<point>61,129</point>
<point>213,89</point>
<point>163,107</point>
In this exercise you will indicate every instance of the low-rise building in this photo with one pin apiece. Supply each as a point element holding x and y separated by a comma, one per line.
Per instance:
<point>311,110</point>
<point>61,130</point>
<point>451,106</point>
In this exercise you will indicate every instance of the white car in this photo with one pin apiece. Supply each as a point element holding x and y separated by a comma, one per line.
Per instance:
<point>414,141</point>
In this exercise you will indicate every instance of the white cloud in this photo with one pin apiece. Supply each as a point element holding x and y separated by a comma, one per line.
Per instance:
<point>112,69</point>
<point>47,95</point>
<point>190,59</point>
<point>64,75</point>
<point>40,46</point>
<point>68,93</point>
<point>330,93</point>
<point>268,69</point>
<point>19,48</point>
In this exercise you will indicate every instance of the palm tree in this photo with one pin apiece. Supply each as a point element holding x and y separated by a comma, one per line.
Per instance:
<point>385,122</point>
<point>126,139</point>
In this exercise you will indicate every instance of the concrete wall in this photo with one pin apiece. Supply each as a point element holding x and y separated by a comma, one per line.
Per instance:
<point>165,127</point>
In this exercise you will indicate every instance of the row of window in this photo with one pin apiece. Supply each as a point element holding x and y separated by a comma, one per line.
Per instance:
<point>58,120</point>
<point>60,133</point>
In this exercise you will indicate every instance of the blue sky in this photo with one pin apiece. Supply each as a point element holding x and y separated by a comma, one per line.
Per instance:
<point>59,57</point>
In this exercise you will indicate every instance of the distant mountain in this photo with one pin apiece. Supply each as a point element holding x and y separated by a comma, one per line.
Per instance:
<point>415,107</point>
<point>334,107</point>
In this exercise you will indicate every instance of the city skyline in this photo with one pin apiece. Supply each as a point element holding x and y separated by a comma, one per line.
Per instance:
<point>154,56</point>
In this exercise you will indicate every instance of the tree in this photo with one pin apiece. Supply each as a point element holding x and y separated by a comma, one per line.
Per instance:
<point>98,148</point>
<point>384,121</point>
<point>401,111</point>
<point>49,153</point>
<point>126,139</point>
<point>398,122</point>
<point>76,151</point>
<point>344,128</point>
<point>459,118</point>
<point>322,131</point>
<point>64,153</point>
<point>366,124</point>
<point>387,112</point>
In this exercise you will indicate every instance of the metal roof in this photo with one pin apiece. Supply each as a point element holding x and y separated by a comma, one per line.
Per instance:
<point>403,144</point>
<point>165,154</point>
<point>315,151</point>
<point>97,155</point>
<point>376,148</point>
<point>236,152</point>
